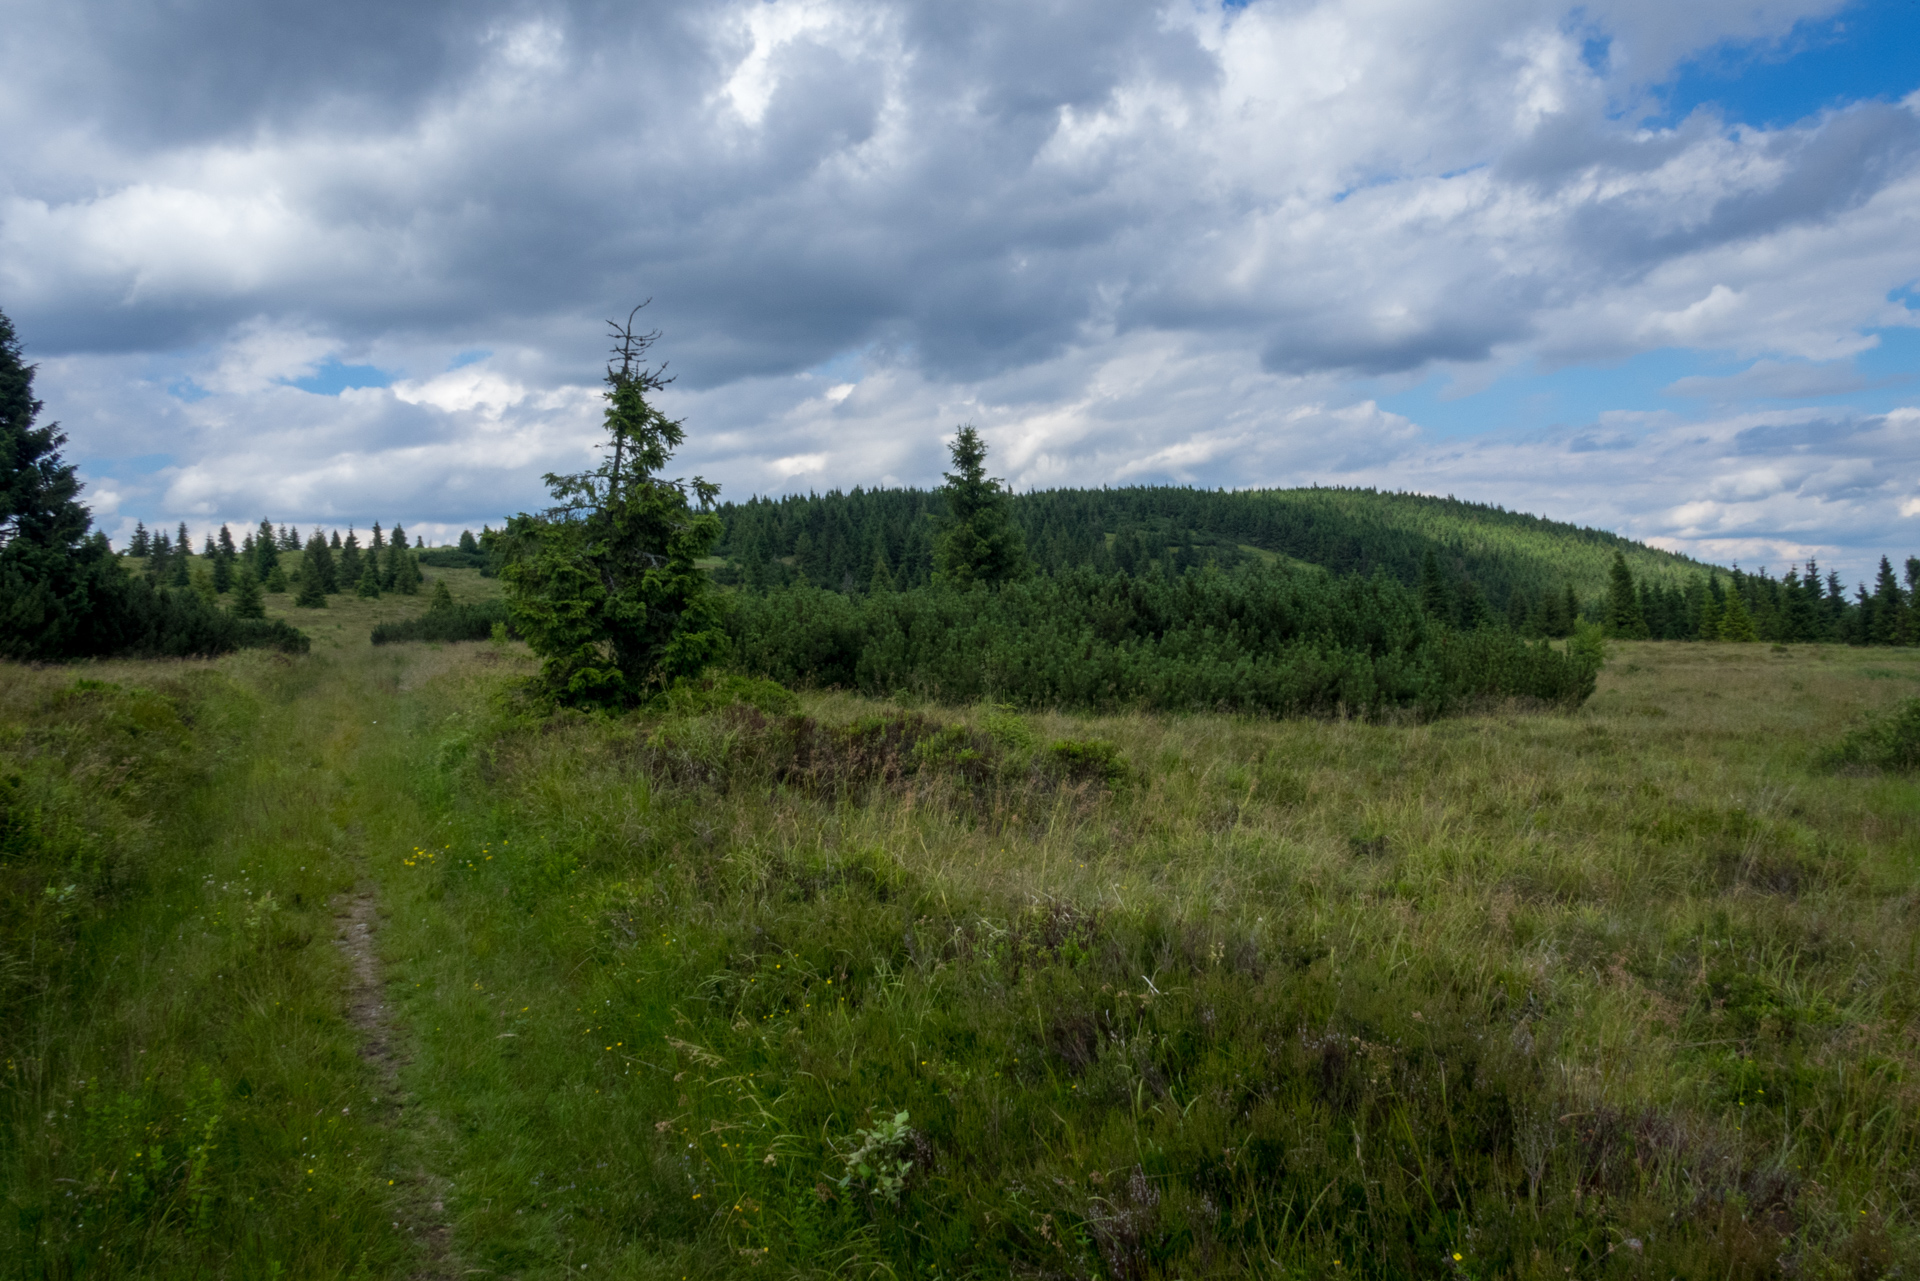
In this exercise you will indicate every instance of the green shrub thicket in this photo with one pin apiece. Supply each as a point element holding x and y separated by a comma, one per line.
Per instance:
<point>1889,741</point>
<point>1257,638</point>
<point>474,621</point>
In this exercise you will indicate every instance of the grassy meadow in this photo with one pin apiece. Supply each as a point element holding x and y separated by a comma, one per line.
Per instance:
<point>866,989</point>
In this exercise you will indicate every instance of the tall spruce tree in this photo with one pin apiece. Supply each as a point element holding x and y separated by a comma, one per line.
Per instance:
<point>180,572</point>
<point>318,564</point>
<point>142,543</point>
<point>54,581</point>
<point>368,587</point>
<point>402,570</point>
<point>604,585</point>
<point>1885,608</point>
<point>159,558</point>
<point>266,550</point>
<point>350,559</point>
<point>396,555</point>
<point>1736,623</point>
<point>980,543</point>
<point>1624,618</point>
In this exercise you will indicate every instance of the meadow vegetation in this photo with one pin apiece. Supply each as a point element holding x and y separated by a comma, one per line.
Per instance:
<point>757,983</point>
<point>992,925</point>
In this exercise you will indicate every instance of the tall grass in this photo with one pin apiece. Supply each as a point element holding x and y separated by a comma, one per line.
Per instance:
<point>876,988</point>
<point>181,1094</point>
<point>1616,991</point>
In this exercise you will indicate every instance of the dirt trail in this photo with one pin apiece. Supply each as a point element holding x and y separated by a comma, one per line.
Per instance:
<point>423,1201</point>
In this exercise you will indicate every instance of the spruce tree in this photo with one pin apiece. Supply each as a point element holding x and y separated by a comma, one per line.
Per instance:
<point>406,570</point>
<point>266,551</point>
<point>350,559</point>
<point>880,581</point>
<point>396,553</point>
<point>159,558</point>
<point>313,591</point>
<point>142,544</point>
<point>980,543</point>
<point>1712,608</point>
<point>318,564</point>
<point>369,585</point>
<point>1573,610</point>
<point>276,579</point>
<point>1736,624</point>
<point>1624,618</point>
<point>468,543</point>
<point>57,583</point>
<point>246,602</point>
<point>225,557</point>
<point>1888,604</point>
<point>180,572</point>
<point>604,585</point>
<point>441,599</point>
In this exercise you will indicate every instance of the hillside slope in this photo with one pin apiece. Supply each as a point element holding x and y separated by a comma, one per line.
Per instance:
<point>836,539</point>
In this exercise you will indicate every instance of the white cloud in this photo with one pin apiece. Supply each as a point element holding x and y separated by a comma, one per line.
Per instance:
<point>1164,254</point>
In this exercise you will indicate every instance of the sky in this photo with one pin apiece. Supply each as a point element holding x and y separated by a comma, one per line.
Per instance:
<point>1647,266</point>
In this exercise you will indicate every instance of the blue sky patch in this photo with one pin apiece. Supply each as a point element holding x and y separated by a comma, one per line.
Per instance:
<point>1867,50</point>
<point>1670,380</point>
<point>332,378</point>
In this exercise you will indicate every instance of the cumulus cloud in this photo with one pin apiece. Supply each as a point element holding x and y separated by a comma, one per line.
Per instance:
<point>1134,241</point>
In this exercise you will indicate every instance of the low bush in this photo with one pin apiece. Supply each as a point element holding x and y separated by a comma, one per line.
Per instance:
<point>452,558</point>
<point>1259,639</point>
<point>447,623</point>
<point>1890,741</point>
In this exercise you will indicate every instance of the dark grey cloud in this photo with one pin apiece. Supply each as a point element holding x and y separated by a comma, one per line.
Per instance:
<point>1033,215</point>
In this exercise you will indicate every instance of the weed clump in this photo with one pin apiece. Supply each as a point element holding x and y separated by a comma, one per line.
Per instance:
<point>1890,742</point>
<point>1088,758</point>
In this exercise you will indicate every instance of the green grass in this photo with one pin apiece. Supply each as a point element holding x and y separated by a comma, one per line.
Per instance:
<point>1621,992</point>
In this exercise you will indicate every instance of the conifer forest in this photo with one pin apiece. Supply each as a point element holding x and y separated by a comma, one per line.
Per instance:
<point>1127,883</point>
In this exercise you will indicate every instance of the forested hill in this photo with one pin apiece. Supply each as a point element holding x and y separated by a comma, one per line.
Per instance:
<point>837,539</point>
